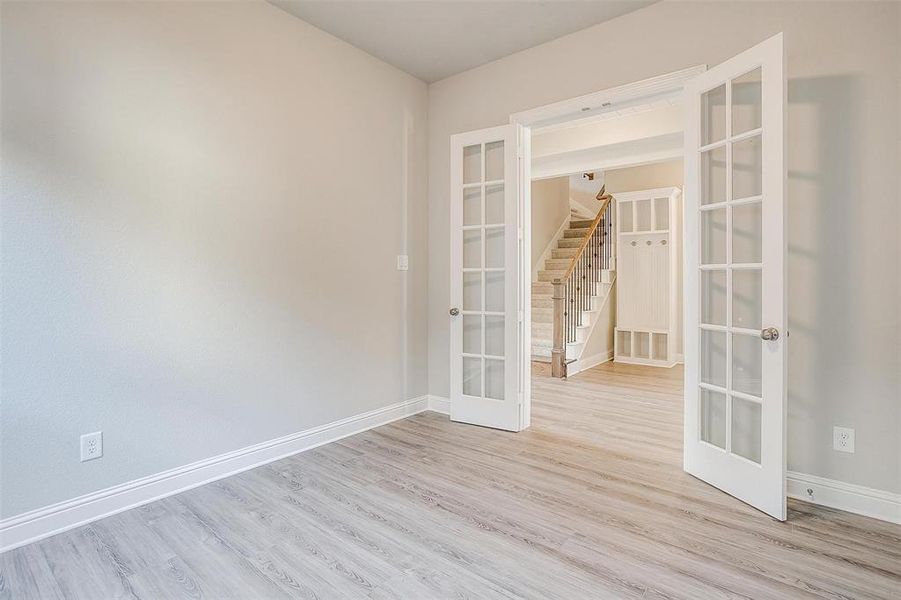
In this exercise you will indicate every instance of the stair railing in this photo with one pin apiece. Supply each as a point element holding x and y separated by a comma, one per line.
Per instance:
<point>573,291</point>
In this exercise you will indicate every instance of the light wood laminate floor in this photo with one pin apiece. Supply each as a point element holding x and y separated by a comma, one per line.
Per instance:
<point>590,502</point>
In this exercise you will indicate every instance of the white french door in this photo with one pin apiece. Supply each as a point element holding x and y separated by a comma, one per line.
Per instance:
<point>735,306</point>
<point>488,323</point>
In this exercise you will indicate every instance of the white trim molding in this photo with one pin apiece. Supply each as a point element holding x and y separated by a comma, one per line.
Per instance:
<point>44,522</point>
<point>585,363</point>
<point>439,404</point>
<point>849,497</point>
<point>591,105</point>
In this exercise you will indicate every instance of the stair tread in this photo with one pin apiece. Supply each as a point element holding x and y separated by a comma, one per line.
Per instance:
<point>581,223</point>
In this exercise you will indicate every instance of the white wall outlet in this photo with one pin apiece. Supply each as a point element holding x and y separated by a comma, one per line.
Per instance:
<point>91,446</point>
<point>403,262</point>
<point>843,439</point>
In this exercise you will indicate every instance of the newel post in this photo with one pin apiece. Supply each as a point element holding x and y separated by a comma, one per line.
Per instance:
<point>558,352</point>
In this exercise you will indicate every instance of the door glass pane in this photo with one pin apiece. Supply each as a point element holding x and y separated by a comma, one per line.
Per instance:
<point>472,334</point>
<point>713,237</point>
<point>494,379</point>
<point>747,233</point>
<point>747,298</point>
<point>747,168</point>
<point>746,102</point>
<point>494,291</point>
<point>472,248</point>
<point>713,357</point>
<point>713,297</point>
<point>472,291</point>
<point>472,376</point>
<point>494,204</point>
<point>494,247</point>
<point>624,214</point>
<point>747,355</point>
<point>494,161</point>
<point>746,428</point>
<point>472,206</point>
<point>661,214</point>
<point>642,215</point>
<point>472,164</point>
<point>713,175</point>
<point>713,418</point>
<point>713,115</point>
<point>494,335</point>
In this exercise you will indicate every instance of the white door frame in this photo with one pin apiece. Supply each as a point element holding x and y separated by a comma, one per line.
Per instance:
<point>563,113</point>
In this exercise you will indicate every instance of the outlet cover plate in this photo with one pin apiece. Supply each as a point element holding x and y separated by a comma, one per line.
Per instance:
<point>403,262</point>
<point>91,446</point>
<point>843,439</point>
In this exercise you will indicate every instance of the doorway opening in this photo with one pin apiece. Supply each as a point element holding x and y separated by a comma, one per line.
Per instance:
<point>606,220</point>
<point>610,187</point>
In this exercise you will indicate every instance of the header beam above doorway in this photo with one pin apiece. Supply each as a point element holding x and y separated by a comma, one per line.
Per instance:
<point>604,101</point>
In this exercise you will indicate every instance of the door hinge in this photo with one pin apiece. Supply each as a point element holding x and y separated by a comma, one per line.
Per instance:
<point>520,398</point>
<point>519,233</point>
<point>521,316</point>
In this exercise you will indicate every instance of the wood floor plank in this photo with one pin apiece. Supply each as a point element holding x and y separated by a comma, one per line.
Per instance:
<point>590,502</point>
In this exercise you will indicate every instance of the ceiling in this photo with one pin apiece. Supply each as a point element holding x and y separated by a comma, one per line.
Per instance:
<point>433,39</point>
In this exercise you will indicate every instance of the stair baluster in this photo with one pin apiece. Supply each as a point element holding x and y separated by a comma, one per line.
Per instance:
<point>572,292</point>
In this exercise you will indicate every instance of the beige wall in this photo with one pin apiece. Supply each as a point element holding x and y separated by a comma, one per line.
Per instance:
<point>644,177</point>
<point>201,208</point>
<point>550,208</point>
<point>843,157</point>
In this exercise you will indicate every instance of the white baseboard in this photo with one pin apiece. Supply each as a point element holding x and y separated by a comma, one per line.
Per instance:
<point>849,497</point>
<point>439,404</point>
<point>43,522</point>
<point>587,362</point>
<point>648,362</point>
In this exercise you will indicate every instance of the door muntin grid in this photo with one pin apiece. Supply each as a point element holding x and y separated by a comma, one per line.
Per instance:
<point>484,271</point>
<point>730,251</point>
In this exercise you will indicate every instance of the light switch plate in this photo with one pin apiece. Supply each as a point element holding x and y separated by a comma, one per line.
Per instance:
<point>403,262</point>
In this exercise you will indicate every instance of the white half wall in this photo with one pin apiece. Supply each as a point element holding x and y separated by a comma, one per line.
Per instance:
<point>843,192</point>
<point>201,207</point>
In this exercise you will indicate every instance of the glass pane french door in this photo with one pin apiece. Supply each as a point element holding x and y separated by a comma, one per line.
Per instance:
<point>485,330</point>
<point>735,293</point>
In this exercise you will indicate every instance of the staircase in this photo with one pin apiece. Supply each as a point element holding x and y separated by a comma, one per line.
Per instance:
<point>542,295</point>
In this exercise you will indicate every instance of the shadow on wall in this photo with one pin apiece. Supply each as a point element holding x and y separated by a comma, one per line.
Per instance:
<point>819,191</point>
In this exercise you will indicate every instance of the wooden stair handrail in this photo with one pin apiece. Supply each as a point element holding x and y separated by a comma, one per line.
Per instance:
<point>605,199</point>
<point>558,349</point>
